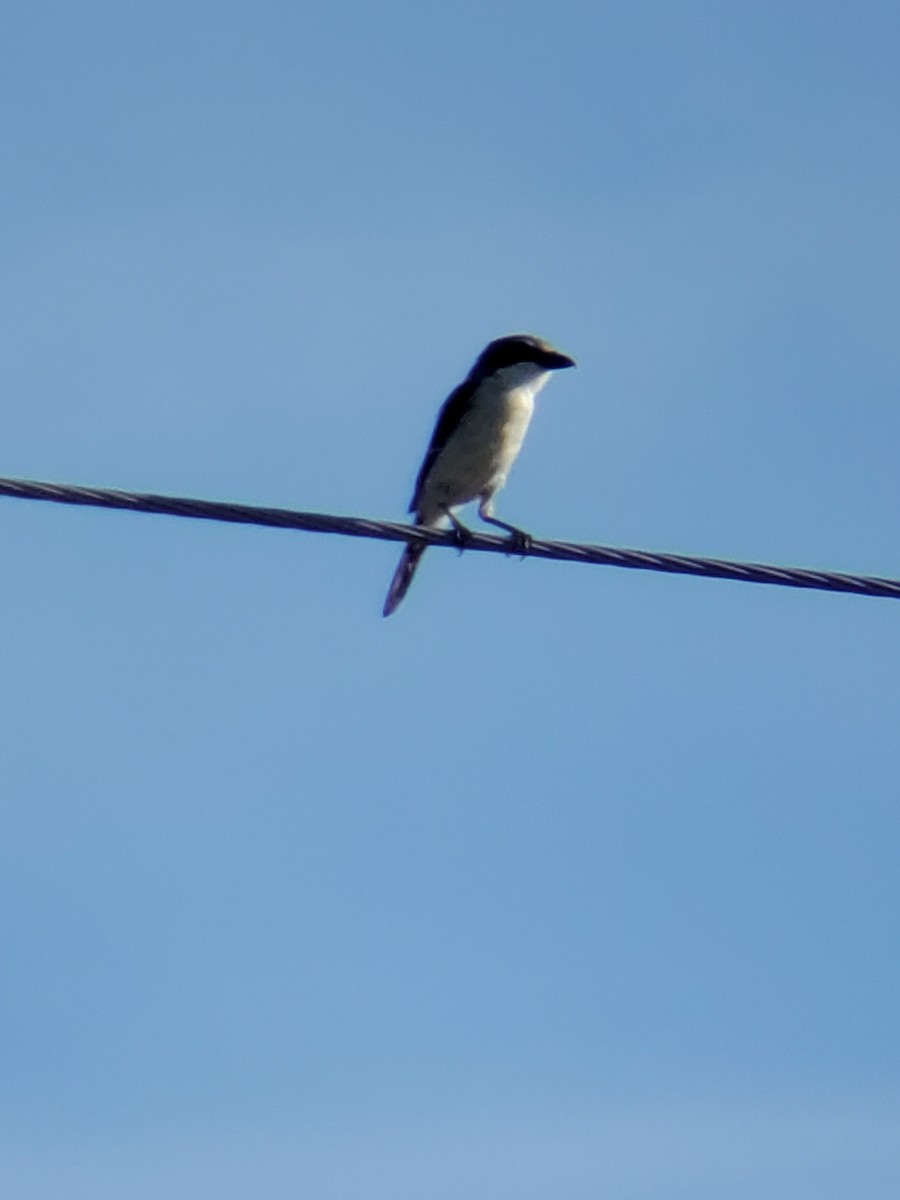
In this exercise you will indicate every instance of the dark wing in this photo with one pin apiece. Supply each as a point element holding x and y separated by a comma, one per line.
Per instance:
<point>452,412</point>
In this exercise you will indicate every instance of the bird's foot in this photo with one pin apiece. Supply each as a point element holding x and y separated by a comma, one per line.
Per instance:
<point>519,542</point>
<point>461,536</point>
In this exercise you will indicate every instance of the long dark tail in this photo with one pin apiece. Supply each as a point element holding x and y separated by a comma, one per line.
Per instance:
<point>403,576</point>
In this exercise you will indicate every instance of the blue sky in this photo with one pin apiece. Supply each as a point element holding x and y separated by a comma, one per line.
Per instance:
<point>564,882</point>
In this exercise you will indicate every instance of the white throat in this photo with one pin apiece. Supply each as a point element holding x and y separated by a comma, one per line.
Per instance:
<point>527,376</point>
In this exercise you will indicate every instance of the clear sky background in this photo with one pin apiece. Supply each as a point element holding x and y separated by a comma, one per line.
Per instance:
<point>565,882</point>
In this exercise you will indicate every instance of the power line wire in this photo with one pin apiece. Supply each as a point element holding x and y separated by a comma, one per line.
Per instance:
<point>284,518</point>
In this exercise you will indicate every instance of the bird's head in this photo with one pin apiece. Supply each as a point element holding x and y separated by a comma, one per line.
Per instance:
<point>521,349</point>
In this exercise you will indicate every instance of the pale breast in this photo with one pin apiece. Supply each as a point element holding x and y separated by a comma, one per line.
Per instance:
<point>478,456</point>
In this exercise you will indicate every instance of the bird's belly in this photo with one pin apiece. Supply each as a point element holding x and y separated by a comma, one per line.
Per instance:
<point>479,454</point>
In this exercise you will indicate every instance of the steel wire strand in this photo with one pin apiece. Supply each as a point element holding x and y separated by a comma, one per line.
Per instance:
<point>284,518</point>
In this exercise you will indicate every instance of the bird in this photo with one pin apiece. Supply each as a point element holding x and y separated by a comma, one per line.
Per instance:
<point>477,437</point>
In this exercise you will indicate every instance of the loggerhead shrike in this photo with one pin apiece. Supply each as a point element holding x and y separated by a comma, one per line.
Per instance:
<point>476,439</point>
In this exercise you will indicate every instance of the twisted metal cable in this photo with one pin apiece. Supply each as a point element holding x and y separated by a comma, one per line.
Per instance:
<point>284,518</point>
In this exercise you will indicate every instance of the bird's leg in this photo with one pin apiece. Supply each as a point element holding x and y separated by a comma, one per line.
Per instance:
<point>519,540</point>
<point>461,532</point>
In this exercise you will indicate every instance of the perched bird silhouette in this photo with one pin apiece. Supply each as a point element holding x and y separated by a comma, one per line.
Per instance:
<point>478,435</point>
